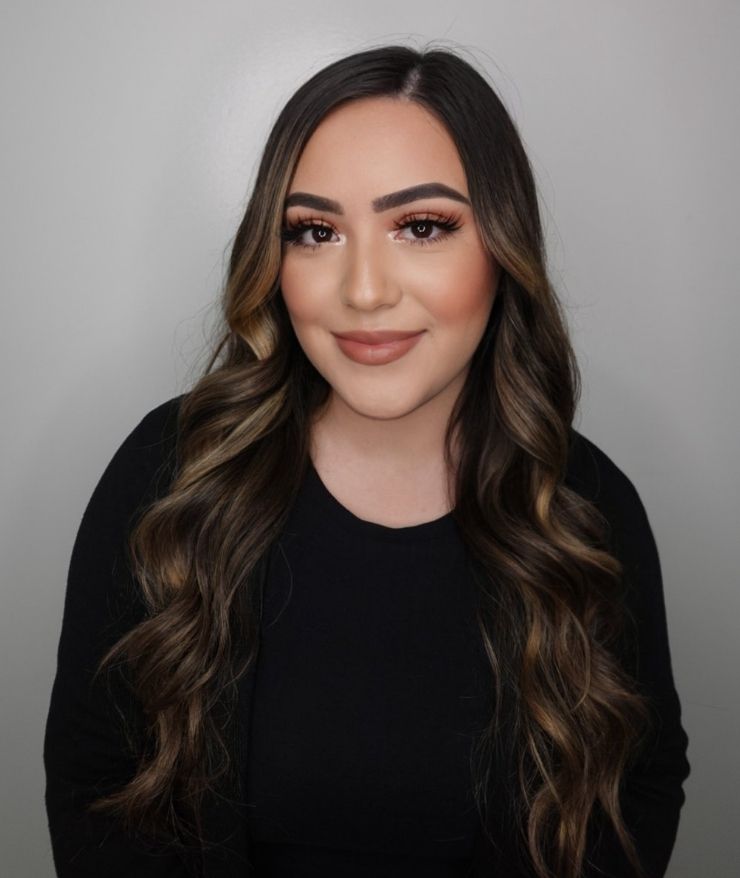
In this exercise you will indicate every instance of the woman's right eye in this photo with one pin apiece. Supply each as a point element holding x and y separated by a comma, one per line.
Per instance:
<point>293,235</point>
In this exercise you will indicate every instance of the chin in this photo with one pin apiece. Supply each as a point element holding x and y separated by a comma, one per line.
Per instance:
<point>383,407</point>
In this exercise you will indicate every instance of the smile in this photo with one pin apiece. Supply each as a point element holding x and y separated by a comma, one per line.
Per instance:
<point>377,354</point>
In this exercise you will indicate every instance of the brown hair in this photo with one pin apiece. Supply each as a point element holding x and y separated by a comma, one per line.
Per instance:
<point>550,591</point>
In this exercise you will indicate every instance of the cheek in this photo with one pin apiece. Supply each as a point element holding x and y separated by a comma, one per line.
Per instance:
<point>455,292</point>
<point>301,292</point>
<point>461,293</point>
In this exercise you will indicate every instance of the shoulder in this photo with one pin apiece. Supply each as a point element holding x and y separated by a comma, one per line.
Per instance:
<point>145,455</point>
<point>99,587</point>
<point>144,460</point>
<point>593,474</point>
<point>156,431</point>
<point>139,469</point>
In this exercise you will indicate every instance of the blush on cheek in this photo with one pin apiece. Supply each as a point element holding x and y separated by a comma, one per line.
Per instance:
<point>308,294</point>
<point>464,306</point>
<point>461,296</point>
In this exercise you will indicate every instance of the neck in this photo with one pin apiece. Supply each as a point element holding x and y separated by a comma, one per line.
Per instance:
<point>412,444</point>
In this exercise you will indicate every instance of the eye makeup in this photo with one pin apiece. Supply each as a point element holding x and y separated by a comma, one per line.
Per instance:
<point>292,233</point>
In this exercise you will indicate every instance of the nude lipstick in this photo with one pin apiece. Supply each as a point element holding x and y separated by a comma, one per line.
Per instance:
<point>376,348</point>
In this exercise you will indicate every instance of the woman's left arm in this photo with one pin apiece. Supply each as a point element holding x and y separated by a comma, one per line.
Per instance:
<point>653,794</point>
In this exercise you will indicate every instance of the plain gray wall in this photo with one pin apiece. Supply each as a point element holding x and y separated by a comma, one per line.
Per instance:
<point>130,134</point>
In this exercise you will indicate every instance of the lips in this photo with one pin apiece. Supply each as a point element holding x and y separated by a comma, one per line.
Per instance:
<point>379,337</point>
<point>377,348</point>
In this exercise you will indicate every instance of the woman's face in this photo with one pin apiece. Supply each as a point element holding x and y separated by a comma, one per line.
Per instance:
<point>367,253</point>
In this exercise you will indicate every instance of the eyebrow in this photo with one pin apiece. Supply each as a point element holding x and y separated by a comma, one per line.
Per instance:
<point>383,202</point>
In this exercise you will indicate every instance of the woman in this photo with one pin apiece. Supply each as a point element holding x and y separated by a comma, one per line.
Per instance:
<point>363,601</point>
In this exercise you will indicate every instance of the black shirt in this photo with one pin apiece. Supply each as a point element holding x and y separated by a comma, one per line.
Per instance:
<point>369,687</point>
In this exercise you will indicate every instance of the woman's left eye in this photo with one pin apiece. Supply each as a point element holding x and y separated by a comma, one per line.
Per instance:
<point>426,224</point>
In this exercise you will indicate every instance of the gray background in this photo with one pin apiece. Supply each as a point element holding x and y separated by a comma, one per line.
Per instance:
<point>130,134</point>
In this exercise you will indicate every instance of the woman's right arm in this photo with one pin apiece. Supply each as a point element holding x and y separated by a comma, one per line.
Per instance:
<point>85,750</point>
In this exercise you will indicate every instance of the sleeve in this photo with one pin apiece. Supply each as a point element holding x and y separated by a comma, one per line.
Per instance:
<point>85,745</point>
<point>652,795</point>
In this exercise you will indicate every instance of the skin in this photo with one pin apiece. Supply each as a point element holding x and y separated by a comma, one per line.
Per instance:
<point>378,444</point>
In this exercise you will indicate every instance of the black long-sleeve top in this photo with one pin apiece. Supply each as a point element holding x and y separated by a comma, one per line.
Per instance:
<point>359,715</point>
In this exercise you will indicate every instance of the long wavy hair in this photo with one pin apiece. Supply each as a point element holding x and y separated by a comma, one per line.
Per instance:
<point>551,604</point>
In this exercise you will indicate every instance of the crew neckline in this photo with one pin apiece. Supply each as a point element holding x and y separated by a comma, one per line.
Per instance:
<point>338,515</point>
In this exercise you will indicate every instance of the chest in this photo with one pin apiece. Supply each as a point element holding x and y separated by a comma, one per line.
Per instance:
<point>369,692</point>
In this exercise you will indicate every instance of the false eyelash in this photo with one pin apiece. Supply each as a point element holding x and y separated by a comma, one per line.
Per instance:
<point>291,233</point>
<point>447,223</point>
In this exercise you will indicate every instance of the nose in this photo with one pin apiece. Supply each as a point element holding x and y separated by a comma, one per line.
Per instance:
<point>369,279</point>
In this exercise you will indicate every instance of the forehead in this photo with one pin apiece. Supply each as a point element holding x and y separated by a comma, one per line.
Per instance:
<point>376,145</point>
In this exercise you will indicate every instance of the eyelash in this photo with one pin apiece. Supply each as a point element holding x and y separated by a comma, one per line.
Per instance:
<point>291,233</point>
